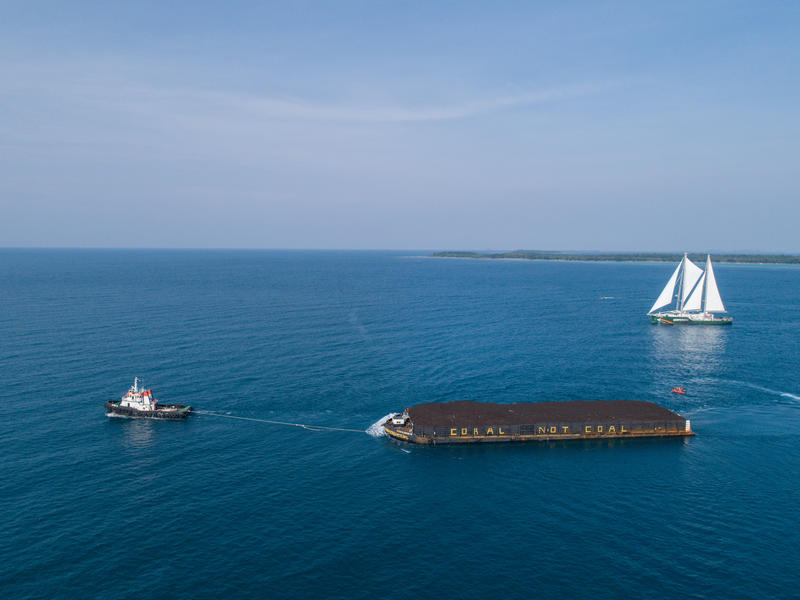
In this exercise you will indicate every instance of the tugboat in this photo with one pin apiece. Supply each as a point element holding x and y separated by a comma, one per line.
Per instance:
<point>139,402</point>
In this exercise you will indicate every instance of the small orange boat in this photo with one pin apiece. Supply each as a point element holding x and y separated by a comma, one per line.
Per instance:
<point>679,390</point>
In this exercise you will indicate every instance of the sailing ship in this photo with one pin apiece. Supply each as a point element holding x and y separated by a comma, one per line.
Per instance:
<point>695,294</point>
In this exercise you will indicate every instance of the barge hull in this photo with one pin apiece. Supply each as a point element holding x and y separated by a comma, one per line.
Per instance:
<point>418,439</point>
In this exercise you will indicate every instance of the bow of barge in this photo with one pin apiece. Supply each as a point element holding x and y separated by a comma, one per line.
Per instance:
<point>466,421</point>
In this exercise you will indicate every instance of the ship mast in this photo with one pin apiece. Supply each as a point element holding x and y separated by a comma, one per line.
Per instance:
<point>679,303</point>
<point>705,284</point>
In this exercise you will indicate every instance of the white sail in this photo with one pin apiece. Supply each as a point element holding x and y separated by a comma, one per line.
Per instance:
<point>713,301</point>
<point>666,294</point>
<point>691,273</point>
<point>694,302</point>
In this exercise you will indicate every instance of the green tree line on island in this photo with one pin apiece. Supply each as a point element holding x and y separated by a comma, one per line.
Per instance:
<point>623,256</point>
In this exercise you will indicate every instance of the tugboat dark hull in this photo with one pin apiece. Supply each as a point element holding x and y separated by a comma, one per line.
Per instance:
<point>164,411</point>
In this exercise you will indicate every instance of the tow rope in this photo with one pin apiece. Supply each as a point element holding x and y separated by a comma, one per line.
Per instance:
<point>300,425</point>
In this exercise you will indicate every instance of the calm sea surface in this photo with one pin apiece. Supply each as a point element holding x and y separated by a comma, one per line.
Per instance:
<point>98,507</point>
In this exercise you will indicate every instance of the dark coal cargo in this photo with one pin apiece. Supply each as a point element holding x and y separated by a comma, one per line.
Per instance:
<point>465,421</point>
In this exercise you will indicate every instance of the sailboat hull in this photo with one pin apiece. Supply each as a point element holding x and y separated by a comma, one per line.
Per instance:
<point>672,318</point>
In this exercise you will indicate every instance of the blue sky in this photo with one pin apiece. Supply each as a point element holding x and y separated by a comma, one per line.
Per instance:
<point>560,125</point>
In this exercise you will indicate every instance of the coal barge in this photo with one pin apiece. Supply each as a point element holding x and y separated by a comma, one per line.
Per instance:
<point>467,422</point>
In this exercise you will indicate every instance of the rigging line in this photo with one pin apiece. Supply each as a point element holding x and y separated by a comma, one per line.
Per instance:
<point>301,425</point>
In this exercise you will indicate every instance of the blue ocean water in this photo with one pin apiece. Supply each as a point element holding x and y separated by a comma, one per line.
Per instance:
<point>98,507</point>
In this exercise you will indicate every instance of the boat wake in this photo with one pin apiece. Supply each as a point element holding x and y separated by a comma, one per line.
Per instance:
<point>376,429</point>
<point>767,390</point>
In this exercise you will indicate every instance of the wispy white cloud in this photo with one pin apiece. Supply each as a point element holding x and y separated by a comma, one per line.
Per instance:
<point>282,108</point>
<point>91,101</point>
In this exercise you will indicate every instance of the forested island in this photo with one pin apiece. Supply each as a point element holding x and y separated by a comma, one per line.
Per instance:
<point>623,256</point>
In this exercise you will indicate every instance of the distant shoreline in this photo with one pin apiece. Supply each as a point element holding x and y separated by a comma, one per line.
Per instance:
<point>783,259</point>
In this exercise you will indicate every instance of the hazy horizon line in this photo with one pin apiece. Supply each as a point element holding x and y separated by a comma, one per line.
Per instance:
<point>483,251</point>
